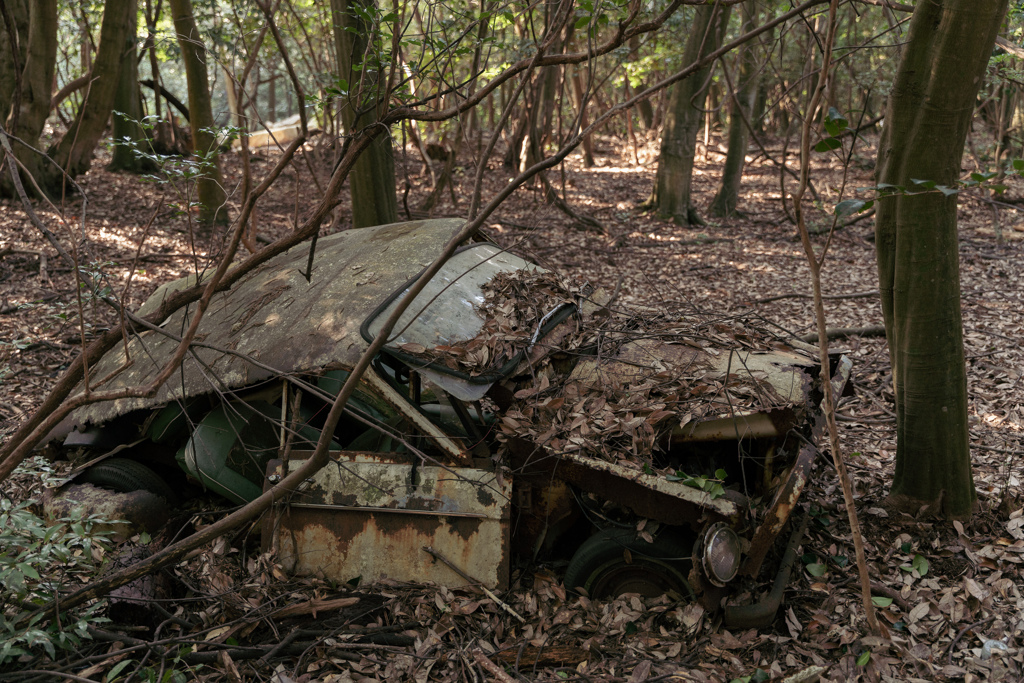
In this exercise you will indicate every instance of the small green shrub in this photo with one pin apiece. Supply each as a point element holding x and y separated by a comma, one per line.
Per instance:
<point>38,559</point>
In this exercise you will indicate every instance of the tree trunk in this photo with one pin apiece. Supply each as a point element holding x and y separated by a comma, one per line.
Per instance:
<point>741,104</point>
<point>927,119</point>
<point>210,186</point>
<point>74,151</point>
<point>127,131</point>
<point>372,180</point>
<point>671,196</point>
<point>37,62</point>
<point>17,11</point>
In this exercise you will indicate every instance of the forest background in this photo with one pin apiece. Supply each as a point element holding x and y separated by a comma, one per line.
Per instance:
<point>678,151</point>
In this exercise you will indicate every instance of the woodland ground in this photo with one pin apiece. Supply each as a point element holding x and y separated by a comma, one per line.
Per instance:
<point>749,265</point>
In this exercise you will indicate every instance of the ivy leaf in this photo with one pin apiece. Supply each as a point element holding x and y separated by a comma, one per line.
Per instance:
<point>816,569</point>
<point>878,601</point>
<point>827,144</point>
<point>848,207</point>
<point>836,120</point>
<point>920,564</point>
<point>1018,164</point>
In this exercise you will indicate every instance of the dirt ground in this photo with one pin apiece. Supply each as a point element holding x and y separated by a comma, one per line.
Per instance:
<point>941,612</point>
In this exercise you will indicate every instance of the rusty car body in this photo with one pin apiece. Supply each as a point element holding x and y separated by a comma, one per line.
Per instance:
<point>511,413</point>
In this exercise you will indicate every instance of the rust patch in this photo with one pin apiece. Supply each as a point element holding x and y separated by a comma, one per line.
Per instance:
<point>782,507</point>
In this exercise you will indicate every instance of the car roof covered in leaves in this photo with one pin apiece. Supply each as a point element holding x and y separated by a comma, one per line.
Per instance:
<point>273,315</point>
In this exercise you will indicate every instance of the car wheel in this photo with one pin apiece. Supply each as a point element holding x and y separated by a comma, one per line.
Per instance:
<point>616,561</point>
<point>124,476</point>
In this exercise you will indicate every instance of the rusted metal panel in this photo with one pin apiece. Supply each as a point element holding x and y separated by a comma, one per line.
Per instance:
<point>646,495</point>
<point>274,315</point>
<point>785,500</point>
<point>368,515</point>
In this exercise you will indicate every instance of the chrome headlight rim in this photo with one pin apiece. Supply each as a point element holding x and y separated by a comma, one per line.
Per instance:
<point>720,549</point>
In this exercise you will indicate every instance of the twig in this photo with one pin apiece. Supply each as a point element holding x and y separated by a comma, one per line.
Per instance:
<point>965,629</point>
<point>495,670</point>
<point>827,297</point>
<point>313,607</point>
<point>843,332</point>
<point>498,601</point>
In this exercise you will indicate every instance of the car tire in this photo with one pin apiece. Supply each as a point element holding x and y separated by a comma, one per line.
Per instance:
<point>604,569</point>
<point>124,476</point>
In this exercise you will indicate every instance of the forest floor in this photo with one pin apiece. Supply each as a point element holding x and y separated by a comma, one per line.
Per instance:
<point>951,586</point>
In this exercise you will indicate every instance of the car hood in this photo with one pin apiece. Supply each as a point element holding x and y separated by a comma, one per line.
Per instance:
<point>274,316</point>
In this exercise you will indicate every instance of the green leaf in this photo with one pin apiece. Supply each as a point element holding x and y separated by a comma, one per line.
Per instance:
<point>848,207</point>
<point>582,22</point>
<point>878,601</point>
<point>863,658</point>
<point>816,569</point>
<point>1018,164</point>
<point>721,474</point>
<point>920,564</point>
<point>927,184</point>
<point>946,190</point>
<point>118,668</point>
<point>631,628</point>
<point>145,538</point>
<point>834,117</point>
<point>827,144</point>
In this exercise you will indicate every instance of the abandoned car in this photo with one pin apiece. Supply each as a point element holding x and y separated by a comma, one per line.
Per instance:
<point>511,414</point>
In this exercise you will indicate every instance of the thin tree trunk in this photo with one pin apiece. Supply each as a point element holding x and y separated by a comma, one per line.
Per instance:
<point>37,66</point>
<point>210,186</point>
<point>372,181</point>
<point>741,104</point>
<point>672,188</point>
<point>12,60</point>
<point>127,131</point>
<point>74,151</point>
<point>927,119</point>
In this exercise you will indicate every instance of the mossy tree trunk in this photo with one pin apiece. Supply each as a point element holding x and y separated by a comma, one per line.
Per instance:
<point>210,185</point>
<point>926,124</point>
<point>741,104</point>
<point>128,133</point>
<point>372,179</point>
<point>36,27</point>
<point>672,189</point>
<point>74,151</point>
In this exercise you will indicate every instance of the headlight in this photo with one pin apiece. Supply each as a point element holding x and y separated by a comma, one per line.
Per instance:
<point>720,553</point>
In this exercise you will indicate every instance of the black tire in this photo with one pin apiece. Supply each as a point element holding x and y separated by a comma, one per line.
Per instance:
<point>604,569</point>
<point>124,476</point>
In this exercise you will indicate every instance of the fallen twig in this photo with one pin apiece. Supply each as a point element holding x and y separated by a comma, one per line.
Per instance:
<point>801,295</point>
<point>844,332</point>
<point>313,607</point>
<point>498,601</point>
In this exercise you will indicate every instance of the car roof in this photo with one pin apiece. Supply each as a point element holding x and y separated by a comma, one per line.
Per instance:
<point>275,316</point>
